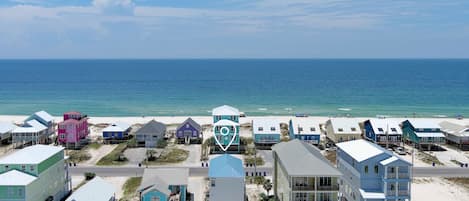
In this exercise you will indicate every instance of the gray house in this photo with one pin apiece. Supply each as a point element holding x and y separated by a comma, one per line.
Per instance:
<point>301,172</point>
<point>150,133</point>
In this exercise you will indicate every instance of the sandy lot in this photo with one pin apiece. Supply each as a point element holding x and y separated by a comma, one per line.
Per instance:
<point>97,154</point>
<point>425,189</point>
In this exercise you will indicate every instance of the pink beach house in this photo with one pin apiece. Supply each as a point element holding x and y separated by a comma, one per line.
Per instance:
<point>73,129</point>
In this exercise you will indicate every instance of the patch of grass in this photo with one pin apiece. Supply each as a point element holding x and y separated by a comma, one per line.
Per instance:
<point>255,180</point>
<point>173,155</point>
<point>94,145</point>
<point>429,159</point>
<point>77,156</point>
<point>116,157</point>
<point>130,188</point>
<point>460,181</point>
<point>250,160</point>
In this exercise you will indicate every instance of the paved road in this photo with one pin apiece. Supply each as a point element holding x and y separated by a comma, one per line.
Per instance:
<point>137,171</point>
<point>201,171</point>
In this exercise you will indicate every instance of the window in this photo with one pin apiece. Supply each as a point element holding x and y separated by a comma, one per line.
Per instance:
<point>212,183</point>
<point>312,129</point>
<point>393,129</point>
<point>380,129</point>
<point>354,129</point>
<point>187,125</point>
<point>6,167</point>
<point>392,170</point>
<point>300,129</point>
<point>340,130</point>
<point>23,167</point>
<point>272,128</point>
<point>154,198</point>
<point>376,169</point>
<point>260,129</point>
<point>325,181</point>
<point>366,169</point>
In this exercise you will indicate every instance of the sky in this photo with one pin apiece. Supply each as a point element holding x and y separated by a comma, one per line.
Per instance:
<point>234,29</point>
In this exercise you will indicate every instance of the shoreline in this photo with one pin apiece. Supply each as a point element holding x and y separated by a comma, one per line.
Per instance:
<point>208,119</point>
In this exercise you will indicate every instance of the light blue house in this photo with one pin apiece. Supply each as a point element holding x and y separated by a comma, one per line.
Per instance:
<point>305,129</point>
<point>372,173</point>
<point>164,184</point>
<point>266,131</point>
<point>226,127</point>
<point>226,174</point>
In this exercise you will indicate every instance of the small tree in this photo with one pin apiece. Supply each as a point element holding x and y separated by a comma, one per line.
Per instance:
<point>89,175</point>
<point>267,185</point>
<point>263,197</point>
<point>161,144</point>
<point>151,154</point>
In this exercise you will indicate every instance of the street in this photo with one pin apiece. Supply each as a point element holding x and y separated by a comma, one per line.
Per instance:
<point>203,171</point>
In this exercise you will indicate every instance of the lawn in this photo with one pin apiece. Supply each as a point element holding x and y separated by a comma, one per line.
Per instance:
<point>94,145</point>
<point>116,157</point>
<point>171,155</point>
<point>130,188</point>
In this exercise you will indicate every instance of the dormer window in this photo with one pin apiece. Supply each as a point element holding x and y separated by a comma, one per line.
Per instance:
<point>300,129</point>
<point>272,128</point>
<point>380,129</point>
<point>340,130</point>
<point>393,129</point>
<point>312,129</point>
<point>353,129</point>
<point>260,129</point>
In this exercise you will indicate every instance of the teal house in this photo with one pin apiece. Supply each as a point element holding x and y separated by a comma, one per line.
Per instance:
<point>226,127</point>
<point>422,133</point>
<point>38,172</point>
<point>164,185</point>
<point>266,131</point>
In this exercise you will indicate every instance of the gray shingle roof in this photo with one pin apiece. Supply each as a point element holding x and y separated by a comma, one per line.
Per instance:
<point>161,178</point>
<point>152,127</point>
<point>302,159</point>
<point>191,122</point>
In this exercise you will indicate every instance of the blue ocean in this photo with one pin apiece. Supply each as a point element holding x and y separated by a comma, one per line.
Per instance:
<point>326,87</point>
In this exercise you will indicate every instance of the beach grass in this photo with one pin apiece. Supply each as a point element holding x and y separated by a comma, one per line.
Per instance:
<point>77,156</point>
<point>171,155</point>
<point>94,145</point>
<point>116,157</point>
<point>429,159</point>
<point>130,188</point>
<point>460,181</point>
<point>250,160</point>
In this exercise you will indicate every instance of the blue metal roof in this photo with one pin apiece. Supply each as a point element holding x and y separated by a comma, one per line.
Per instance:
<point>226,166</point>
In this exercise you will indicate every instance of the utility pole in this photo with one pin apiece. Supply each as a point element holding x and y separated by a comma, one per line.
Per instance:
<point>387,136</point>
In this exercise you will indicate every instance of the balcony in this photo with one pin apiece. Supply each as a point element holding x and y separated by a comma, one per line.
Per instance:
<point>403,175</point>
<point>403,193</point>
<point>399,192</point>
<point>303,187</point>
<point>329,188</point>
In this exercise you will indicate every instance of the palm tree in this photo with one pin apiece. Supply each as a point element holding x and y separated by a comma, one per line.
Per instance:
<point>267,186</point>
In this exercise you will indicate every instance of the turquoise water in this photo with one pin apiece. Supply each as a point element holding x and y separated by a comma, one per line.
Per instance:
<point>257,87</point>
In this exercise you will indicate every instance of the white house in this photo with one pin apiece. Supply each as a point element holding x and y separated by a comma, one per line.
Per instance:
<point>97,190</point>
<point>343,129</point>
<point>456,134</point>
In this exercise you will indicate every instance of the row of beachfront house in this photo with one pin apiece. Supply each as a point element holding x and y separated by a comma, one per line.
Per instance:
<point>385,132</point>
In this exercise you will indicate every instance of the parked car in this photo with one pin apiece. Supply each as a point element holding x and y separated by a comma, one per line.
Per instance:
<point>400,150</point>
